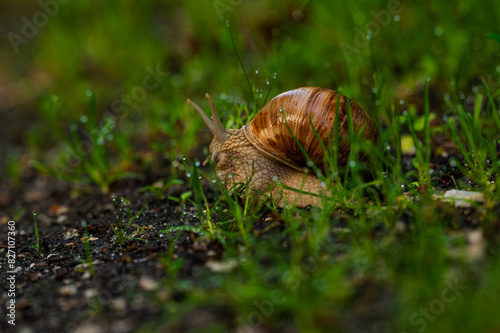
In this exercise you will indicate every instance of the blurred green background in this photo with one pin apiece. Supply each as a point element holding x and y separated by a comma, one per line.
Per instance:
<point>110,47</point>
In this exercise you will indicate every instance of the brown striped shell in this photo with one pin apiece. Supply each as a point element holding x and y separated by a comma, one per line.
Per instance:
<point>269,134</point>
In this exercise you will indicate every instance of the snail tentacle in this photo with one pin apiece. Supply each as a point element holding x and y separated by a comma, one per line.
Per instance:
<point>220,131</point>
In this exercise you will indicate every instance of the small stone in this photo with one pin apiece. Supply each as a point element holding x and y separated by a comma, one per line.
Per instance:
<point>61,218</point>
<point>475,246</point>
<point>90,293</point>
<point>146,283</point>
<point>69,290</point>
<point>71,233</point>
<point>222,266</point>
<point>118,304</point>
<point>463,199</point>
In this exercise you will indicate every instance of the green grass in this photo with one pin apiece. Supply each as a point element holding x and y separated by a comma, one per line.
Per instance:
<point>122,226</point>
<point>88,261</point>
<point>380,250</point>
<point>37,246</point>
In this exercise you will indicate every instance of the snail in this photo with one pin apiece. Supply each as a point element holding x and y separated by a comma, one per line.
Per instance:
<point>265,153</point>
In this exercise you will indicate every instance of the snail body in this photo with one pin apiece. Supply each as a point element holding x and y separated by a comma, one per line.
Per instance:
<point>265,151</point>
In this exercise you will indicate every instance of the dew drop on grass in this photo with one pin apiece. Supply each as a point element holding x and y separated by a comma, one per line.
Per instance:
<point>84,224</point>
<point>188,175</point>
<point>388,147</point>
<point>403,187</point>
<point>256,71</point>
<point>323,184</point>
<point>352,164</point>
<point>267,81</point>
<point>183,157</point>
<point>83,119</point>
<point>197,164</point>
<point>213,181</point>
<point>89,93</point>
<point>34,212</point>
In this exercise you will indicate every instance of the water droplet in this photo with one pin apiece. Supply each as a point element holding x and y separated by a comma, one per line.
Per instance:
<point>213,181</point>
<point>89,93</point>
<point>275,178</point>
<point>323,184</point>
<point>388,147</point>
<point>188,175</point>
<point>267,81</point>
<point>256,71</point>
<point>403,187</point>
<point>352,164</point>
<point>276,74</point>
<point>374,90</point>
<point>396,18</point>
<point>197,164</point>
<point>438,31</point>
<point>34,212</point>
<point>83,119</point>
<point>84,224</point>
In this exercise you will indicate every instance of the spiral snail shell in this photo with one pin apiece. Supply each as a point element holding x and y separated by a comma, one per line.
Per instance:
<point>265,151</point>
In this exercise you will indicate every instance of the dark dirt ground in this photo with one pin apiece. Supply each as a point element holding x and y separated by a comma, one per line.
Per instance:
<point>55,290</point>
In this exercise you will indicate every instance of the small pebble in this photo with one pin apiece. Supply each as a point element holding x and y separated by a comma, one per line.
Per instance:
<point>222,266</point>
<point>69,290</point>
<point>147,283</point>
<point>462,198</point>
